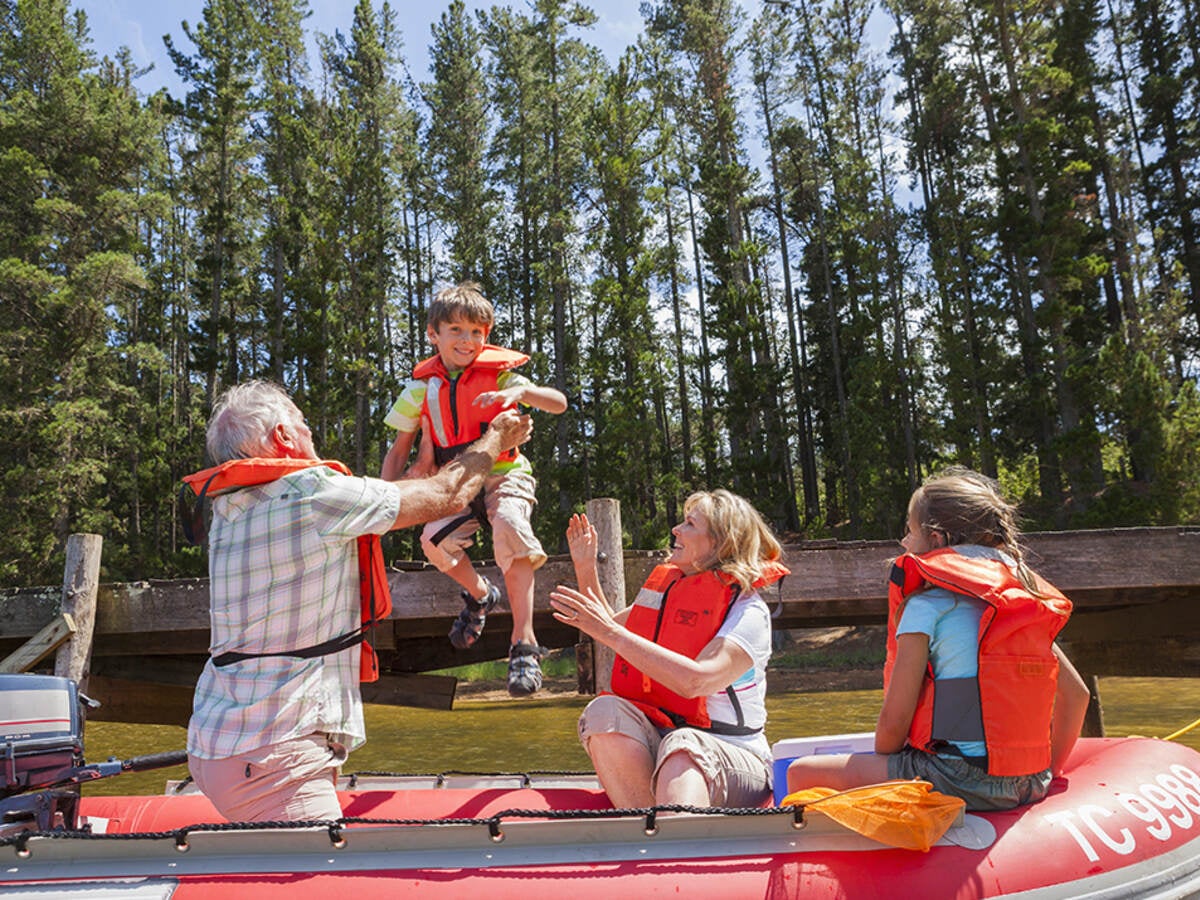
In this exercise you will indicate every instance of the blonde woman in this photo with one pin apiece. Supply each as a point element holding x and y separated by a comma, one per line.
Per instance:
<point>978,699</point>
<point>684,722</point>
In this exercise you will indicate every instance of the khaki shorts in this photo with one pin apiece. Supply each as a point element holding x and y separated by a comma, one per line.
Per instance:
<point>292,781</point>
<point>736,777</point>
<point>508,500</point>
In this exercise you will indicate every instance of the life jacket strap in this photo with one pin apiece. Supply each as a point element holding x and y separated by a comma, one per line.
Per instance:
<point>325,648</point>
<point>443,455</point>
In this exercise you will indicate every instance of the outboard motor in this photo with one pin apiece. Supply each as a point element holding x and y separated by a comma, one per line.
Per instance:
<point>41,732</point>
<point>41,754</point>
<point>41,742</point>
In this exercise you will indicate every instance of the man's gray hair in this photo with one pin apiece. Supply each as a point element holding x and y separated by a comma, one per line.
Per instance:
<point>244,419</point>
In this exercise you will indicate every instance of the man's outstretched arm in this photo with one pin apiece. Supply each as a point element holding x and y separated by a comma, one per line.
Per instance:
<point>457,482</point>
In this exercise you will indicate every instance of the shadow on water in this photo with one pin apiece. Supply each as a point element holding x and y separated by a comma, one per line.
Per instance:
<point>539,734</point>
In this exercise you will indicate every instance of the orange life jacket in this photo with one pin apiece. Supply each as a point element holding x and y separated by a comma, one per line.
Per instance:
<point>454,419</point>
<point>1010,703</point>
<point>682,613</point>
<point>374,590</point>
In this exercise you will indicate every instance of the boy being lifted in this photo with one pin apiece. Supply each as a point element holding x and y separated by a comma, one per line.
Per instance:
<point>454,395</point>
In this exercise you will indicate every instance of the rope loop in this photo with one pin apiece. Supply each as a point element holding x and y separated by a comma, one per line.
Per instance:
<point>651,826</point>
<point>798,817</point>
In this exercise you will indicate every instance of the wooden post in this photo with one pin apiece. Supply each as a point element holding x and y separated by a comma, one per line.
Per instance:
<point>81,581</point>
<point>605,515</point>
<point>1093,721</point>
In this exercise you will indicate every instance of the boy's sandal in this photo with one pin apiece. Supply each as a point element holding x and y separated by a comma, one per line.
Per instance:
<point>469,625</point>
<point>524,673</point>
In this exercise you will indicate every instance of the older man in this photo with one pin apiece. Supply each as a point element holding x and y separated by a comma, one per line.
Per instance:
<point>277,707</point>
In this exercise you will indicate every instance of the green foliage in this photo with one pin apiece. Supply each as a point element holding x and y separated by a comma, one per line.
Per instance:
<point>1001,271</point>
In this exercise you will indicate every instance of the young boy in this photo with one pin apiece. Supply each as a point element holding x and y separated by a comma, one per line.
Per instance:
<point>454,395</point>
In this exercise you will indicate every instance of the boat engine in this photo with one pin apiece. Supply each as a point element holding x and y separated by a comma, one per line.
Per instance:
<point>41,741</point>
<point>41,754</point>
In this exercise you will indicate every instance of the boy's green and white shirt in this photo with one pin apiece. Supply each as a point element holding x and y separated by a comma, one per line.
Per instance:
<point>405,414</point>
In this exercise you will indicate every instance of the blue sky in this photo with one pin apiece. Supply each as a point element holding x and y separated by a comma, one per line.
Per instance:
<point>141,24</point>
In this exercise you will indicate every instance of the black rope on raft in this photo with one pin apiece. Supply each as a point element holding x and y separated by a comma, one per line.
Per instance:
<point>337,836</point>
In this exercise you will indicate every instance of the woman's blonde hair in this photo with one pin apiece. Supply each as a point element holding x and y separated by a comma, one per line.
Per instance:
<point>968,508</point>
<point>742,541</point>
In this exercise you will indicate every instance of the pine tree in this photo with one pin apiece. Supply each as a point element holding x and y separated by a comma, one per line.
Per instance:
<point>457,141</point>
<point>221,185</point>
<point>73,147</point>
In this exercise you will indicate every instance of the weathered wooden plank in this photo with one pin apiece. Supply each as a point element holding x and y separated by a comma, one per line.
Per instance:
<point>1165,658</point>
<point>181,671</point>
<point>175,676</point>
<point>832,583</point>
<point>144,702</point>
<point>41,645</point>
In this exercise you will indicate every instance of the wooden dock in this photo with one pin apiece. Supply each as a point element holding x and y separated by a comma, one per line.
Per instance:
<point>1136,593</point>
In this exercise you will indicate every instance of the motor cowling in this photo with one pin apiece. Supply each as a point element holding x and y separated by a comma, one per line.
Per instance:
<point>41,732</point>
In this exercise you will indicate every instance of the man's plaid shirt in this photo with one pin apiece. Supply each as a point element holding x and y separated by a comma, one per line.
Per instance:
<point>283,570</point>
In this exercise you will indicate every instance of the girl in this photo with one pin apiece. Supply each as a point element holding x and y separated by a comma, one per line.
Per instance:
<point>978,699</point>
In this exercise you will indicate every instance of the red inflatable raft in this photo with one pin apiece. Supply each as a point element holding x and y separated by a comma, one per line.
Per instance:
<point>1124,822</point>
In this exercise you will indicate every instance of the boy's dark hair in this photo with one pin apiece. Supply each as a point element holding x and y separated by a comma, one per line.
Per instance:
<point>463,301</point>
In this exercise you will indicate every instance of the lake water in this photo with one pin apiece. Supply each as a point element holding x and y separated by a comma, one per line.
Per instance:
<point>539,733</point>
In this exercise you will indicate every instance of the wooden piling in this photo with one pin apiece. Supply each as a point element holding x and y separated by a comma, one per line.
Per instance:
<point>81,582</point>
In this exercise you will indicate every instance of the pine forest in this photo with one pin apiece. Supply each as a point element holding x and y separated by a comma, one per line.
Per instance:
<point>760,250</point>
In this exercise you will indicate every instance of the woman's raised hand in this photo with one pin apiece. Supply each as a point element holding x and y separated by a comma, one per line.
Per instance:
<point>581,540</point>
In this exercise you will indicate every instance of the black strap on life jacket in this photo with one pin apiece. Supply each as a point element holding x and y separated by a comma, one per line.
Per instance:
<point>443,455</point>
<point>333,645</point>
<point>475,510</point>
<point>195,529</point>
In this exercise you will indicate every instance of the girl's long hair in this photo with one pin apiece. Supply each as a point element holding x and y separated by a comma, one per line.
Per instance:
<point>968,508</point>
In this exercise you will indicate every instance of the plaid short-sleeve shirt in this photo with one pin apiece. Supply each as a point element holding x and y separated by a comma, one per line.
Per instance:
<point>283,575</point>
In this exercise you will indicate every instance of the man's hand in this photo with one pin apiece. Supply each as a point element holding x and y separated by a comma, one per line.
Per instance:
<point>456,483</point>
<point>512,429</point>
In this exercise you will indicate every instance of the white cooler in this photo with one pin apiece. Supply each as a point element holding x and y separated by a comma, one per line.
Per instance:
<point>783,752</point>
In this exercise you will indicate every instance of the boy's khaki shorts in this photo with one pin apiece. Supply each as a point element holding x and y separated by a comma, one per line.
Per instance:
<point>509,501</point>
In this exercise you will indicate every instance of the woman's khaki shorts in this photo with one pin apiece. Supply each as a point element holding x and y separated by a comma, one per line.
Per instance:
<point>735,776</point>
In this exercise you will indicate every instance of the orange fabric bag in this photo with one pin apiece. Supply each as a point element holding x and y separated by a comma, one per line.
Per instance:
<point>906,814</point>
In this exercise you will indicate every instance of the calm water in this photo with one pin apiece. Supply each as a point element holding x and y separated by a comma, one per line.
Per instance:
<point>510,736</point>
